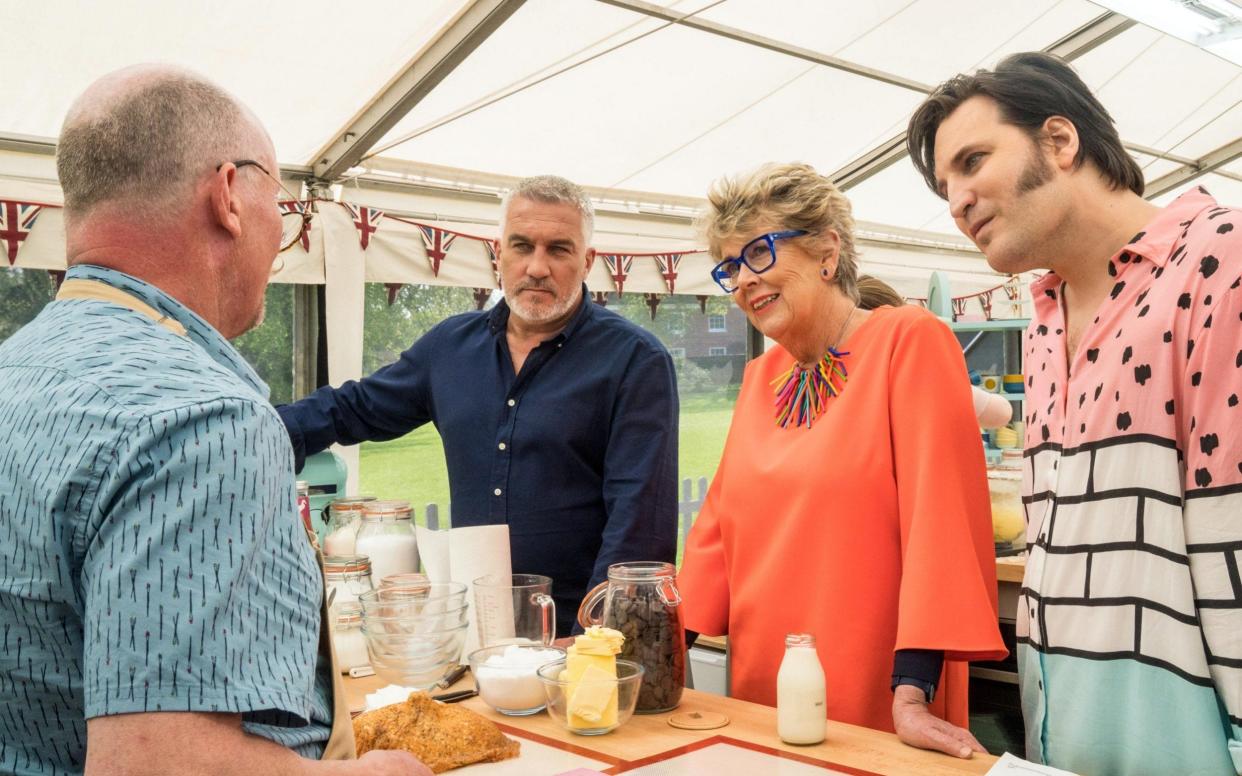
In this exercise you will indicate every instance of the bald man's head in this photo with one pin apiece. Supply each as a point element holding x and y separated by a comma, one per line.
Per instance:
<point>142,136</point>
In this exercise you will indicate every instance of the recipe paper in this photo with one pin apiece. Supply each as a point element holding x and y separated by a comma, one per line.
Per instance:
<point>1009,765</point>
<point>463,555</point>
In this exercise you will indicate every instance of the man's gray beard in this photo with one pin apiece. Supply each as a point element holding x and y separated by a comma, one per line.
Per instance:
<point>545,313</point>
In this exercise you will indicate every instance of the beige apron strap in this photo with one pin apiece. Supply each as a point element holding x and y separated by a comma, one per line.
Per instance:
<point>79,288</point>
<point>341,741</point>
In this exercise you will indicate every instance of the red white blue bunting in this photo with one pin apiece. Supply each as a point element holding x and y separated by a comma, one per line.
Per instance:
<point>667,262</point>
<point>619,266</point>
<point>493,253</point>
<point>16,221</point>
<point>366,221</point>
<point>437,243</point>
<point>293,206</point>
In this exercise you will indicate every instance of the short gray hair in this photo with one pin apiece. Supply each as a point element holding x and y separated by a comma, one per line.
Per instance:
<point>791,196</point>
<point>150,143</point>
<point>552,189</point>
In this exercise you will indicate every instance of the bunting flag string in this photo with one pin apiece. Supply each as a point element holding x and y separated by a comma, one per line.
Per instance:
<point>619,266</point>
<point>293,206</point>
<point>481,295</point>
<point>366,221</point>
<point>493,253</point>
<point>653,301</point>
<point>437,242</point>
<point>16,221</point>
<point>1013,290</point>
<point>668,268</point>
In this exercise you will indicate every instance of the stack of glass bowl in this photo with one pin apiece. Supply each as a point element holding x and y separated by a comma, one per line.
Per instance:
<point>415,634</point>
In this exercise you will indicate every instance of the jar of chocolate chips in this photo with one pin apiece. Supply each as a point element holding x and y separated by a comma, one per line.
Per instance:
<point>641,600</point>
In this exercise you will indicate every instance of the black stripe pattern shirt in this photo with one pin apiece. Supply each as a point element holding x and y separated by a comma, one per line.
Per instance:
<point>150,559</point>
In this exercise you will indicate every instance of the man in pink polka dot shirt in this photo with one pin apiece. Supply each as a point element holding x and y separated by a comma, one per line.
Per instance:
<point>1130,618</point>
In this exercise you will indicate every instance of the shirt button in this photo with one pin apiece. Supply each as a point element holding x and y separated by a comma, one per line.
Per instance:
<point>502,445</point>
<point>512,402</point>
<point>496,492</point>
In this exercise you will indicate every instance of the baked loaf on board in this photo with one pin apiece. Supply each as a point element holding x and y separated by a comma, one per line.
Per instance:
<point>443,736</point>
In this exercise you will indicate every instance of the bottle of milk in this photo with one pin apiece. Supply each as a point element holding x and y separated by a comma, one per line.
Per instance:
<point>801,711</point>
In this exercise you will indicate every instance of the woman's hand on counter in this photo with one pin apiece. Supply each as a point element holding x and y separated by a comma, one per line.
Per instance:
<point>917,726</point>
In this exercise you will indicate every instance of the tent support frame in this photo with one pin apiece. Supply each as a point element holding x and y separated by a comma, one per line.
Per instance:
<point>456,41</point>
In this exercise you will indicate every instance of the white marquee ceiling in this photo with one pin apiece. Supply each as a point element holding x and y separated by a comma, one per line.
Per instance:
<point>616,96</point>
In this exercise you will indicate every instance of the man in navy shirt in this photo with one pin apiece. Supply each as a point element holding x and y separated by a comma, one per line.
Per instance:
<point>558,417</point>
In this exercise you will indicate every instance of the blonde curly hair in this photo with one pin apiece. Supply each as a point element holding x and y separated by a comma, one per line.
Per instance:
<point>793,196</point>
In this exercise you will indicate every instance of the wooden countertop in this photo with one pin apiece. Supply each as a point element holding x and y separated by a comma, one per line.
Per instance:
<point>1010,569</point>
<point>647,735</point>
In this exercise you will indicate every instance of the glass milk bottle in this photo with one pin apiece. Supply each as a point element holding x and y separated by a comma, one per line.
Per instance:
<point>801,710</point>
<point>387,538</point>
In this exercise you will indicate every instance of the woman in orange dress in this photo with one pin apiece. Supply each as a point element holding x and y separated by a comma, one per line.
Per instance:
<point>851,501</point>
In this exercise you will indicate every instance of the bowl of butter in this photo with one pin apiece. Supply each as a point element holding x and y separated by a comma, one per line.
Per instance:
<point>591,692</point>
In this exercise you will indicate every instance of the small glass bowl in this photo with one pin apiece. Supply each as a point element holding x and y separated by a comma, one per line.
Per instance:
<point>426,623</point>
<point>514,691</point>
<point>627,684</point>
<point>417,660</point>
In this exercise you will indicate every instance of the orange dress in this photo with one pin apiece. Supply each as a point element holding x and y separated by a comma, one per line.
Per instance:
<point>871,530</point>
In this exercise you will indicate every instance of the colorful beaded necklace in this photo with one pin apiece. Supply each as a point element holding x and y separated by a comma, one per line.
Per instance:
<point>802,394</point>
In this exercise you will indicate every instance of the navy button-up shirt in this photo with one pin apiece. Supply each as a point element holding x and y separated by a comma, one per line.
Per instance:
<point>577,453</point>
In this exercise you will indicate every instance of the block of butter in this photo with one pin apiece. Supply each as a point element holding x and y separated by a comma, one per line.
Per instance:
<point>591,671</point>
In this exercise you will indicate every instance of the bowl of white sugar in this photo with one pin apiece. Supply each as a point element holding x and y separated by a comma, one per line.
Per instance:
<point>506,676</point>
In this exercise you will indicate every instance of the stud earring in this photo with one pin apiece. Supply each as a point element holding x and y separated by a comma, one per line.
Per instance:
<point>824,272</point>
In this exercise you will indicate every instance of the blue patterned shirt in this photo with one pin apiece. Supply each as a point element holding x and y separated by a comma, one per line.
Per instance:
<point>150,559</point>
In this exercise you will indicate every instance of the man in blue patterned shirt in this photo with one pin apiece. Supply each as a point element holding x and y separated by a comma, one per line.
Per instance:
<point>159,602</point>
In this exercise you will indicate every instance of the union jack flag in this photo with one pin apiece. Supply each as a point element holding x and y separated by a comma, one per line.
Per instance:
<point>293,206</point>
<point>668,267</point>
<point>16,221</point>
<point>437,242</point>
<point>653,301</point>
<point>985,301</point>
<point>493,252</point>
<point>366,219</point>
<point>619,266</point>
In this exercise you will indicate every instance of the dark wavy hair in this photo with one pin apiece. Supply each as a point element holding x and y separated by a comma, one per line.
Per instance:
<point>1029,88</point>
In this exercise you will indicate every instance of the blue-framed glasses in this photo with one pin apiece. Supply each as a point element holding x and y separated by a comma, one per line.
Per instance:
<point>758,255</point>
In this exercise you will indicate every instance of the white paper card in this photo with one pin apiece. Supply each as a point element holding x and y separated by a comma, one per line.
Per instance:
<point>1009,765</point>
<point>463,555</point>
